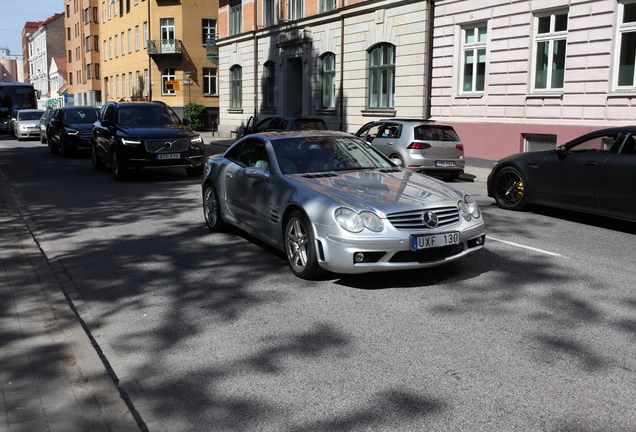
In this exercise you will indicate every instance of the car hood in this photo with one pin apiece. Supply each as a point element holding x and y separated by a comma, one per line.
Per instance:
<point>386,191</point>
<point>158,131</point>
<point>81,126</point>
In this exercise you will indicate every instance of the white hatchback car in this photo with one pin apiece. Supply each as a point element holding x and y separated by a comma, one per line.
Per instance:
<point>27,123</point>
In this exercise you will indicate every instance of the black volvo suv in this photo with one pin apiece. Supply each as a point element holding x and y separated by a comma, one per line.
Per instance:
<point>144,135</point>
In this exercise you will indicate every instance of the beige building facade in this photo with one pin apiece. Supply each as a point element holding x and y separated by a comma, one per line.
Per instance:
<point>156,50</point>
<point>348,62</point>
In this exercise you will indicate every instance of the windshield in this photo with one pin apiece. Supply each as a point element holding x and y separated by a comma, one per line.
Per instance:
<point>30,115</point>
<point>81,116</point>
<point>146,115</point>
<point>313,154</point>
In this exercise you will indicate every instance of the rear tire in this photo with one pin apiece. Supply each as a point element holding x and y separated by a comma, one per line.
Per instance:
<point>300,246</point>
<point>509,189</point>
<point>212,209</point>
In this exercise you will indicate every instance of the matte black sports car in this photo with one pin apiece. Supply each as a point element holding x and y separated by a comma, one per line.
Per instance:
<point>333,202</point>
<point>594,173</point>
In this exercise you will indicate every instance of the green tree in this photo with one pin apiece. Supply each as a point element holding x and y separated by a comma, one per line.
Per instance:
<point>195,113</point>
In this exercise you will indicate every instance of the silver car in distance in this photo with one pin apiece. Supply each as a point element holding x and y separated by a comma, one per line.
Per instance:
<point>333,203</point>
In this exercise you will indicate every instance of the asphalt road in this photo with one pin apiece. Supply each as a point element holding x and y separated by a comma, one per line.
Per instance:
<point>214,333</point>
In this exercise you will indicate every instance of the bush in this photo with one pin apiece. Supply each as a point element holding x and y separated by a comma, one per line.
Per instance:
<point>195,113</point>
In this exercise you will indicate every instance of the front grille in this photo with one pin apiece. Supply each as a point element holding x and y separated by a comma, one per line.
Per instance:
<point>86,136</point>
<point>426,255</point>
<point>409,220</point>
<point>167,145</point>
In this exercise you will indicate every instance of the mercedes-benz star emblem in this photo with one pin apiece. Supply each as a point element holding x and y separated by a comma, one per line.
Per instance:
<point>430,219</point>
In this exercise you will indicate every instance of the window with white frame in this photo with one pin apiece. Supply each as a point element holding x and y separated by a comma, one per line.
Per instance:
<point>235,17</point>
<point>123,44</point>
<point>136,38</point>
<point>269,89</point>
<point>116,46</point>
<point>123,85</point>
<point>625,76</point>
<point>295,9</point>
<point>550,43</point>
<point>327,5</point>
<point>167,74</point>
<point>130,41</point>
<point>146,37</point>
<point>146,83</point>
<point>208,29</point>
<point>474,58</point>
<point>236,85</point>
<point>382,76</point>
<point>130,84</point>
<point>328,80</point>
<point>209,81</point>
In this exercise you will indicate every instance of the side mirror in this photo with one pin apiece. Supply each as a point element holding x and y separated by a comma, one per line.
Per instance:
<point>561,151</point>
<point>247,130</point>
<point>257,173</point>
<point>187,121</point>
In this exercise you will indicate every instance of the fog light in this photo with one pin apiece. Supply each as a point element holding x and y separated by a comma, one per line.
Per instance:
<point>358,257</point>
<point>479,241</point>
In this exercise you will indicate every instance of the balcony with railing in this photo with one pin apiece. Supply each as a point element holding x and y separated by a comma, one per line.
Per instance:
<point>165,47</point>
<point>211,49</point>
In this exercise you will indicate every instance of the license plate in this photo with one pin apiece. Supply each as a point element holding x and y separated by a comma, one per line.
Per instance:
<point>437,240</point>
<point>169,156</point>
<point>445,164</point>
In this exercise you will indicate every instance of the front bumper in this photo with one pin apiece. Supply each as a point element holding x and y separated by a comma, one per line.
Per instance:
<point>391,252</point>
<point>140,158</point>
<point>29,133</point>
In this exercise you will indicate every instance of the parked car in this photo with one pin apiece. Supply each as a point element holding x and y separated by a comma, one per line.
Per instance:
<point>144,135</point>
<point>284,123</point>
<point>418,145</point>
<point>27,123</point>
<point>332,202</point>
<point>70,129</point>
<point>11,123</point>
<point>594,173</point>
<point>44,123</point>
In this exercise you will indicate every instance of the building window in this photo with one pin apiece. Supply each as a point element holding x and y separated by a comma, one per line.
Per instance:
<point>96,43</point>
<point>146,35</point>
<point>139,82</point>
<point>117,86</point>
<point>70,56</point>
<point>236,95</point>
<point>68,33</point>
<point>268,13</point>
<point>328,80</point>
<point>209,81</point>
<point>103,11</point>
<point>95,15</point>
<point>167,74</point>
<point>146,83</point>
<point>68,11</point>
<point>88,43</point>
<point>123,44</point>
<point>269,90</point>
<point>88,72</point>
<point>87,16</point>
<point>130,84</point>
<point>97,70</point>
<point>550,37</point>
<point>167,28</point>
<point>130,43</point>
<point>116,46</point>
<point>382,77</point>
<point>123,85</point>
<point>474,58</point>
<point>208,29</point>
<point>70,78</point>
<point>327,5</point>
<point>235,17</point>
<point>295,9</point>
<point>110,48</point>
<point>136,38</point>
<point>626,59</point>
<point>538,142</point>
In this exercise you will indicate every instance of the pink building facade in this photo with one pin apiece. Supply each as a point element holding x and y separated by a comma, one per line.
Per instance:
<point>529,75</point>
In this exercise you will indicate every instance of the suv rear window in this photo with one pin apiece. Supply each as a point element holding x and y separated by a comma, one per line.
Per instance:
<point>435,133</point>
<point>308,124</point>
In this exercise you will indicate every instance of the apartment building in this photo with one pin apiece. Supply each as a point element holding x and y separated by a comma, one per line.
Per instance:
<point>156,50</point>
<point>44,44</point>
<point>347,61</point>
<point>10,66</point>
<point>83,57</point>
<point>530,75</point>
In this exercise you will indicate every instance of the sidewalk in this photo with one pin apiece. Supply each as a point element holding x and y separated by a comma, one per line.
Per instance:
<point>51,377</point>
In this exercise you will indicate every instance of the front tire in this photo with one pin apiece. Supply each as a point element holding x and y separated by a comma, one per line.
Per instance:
<point>98,162</point>
<point>118,167</point>
<point>509,189</point>
<point>65,152</point>
<point>42,138</point>
<point>212,209</point>
<point>300,246</point>
<point>52,148</point>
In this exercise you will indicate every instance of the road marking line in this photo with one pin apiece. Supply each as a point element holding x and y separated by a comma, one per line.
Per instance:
<point>525,247</point>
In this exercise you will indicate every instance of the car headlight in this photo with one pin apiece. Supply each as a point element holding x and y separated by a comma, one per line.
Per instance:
<point>197,141</point>
<point>130,142</point>
<point>72,131</point>
<point>468,208</point>
<point>356,222</point>
<point>23,127</point>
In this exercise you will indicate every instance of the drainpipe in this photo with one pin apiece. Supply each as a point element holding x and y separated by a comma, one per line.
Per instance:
<point>255,62</point>
<point>149,59</point>
<point>429,72</point>
<point>341,92</point>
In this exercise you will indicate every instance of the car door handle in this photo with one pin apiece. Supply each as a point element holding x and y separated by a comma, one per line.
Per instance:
<point>590,163</point>
<point>228,175</point>
<point>389,143</point>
